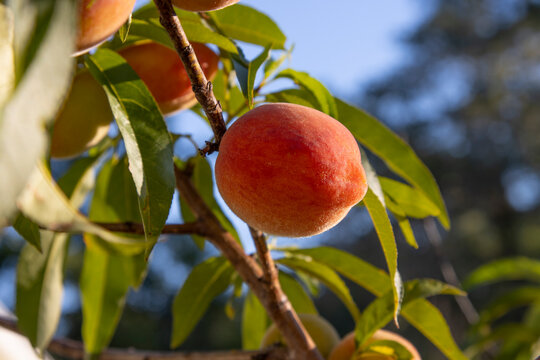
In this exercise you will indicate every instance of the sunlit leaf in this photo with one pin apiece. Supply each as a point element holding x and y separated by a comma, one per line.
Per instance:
<point>381,310</point>
<point>325,99</point>
<point>412,201</point>
<point>383,227</point>
<point>146,138</point>
<point>388,348</point>
<point>56,213</point>
<point>201,177</point>
<point>43,42</point>
<point>325,275</point>
<point>7,61</point>
<point>399,156</point>
<point>254,322</point>
<point>300,300</point>
<point>206,281</point>
<point>420,313</point>
<point>246,72</point>
<point>518,268</point>
<point>244,23</point>
<point>294,96</point>
<point>106,276</point>
<point>39,288</point>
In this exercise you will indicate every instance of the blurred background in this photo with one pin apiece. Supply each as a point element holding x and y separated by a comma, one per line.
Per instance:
<point>457,79</point>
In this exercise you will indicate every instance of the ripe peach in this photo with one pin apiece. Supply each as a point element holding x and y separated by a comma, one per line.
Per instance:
<point>289,170</point>
<point>99,19</point>
<point>346,348</point>
<point>203,5</point>
<point>84,119</point>
<point>164,74</point>
<point>321,331</point>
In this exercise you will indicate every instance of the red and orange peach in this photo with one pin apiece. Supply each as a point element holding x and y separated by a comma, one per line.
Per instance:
<point>164,74</point>
<point>289,170</point>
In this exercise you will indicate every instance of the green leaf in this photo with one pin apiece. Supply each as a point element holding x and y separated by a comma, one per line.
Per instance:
<point>201,177</point>
<point>518,268</point>
<point>325,274</point>
<point>420,313</point>
<point>123,32</point>
<point>380,311</point>
<point>397,155</point>
<point>106,276</point>
<point>79,180</point>
<point>43,41</point>
<point>105,280</point>
<point>206,281</point>
<point>56,213</point>
<point>147,140</point>
<point>247,71</point>
<point>28,230</point>
<point>272,65</point>
<point>39,288</point>
<point>247,24</point>
<point>300,300</point>
<point>294,96</point>
<point>412,201</point>
<point>407,230</point>
<point>150,29</point>
<point>521,296</point>
<point>324,98</point>
<point>254,322</point>
<point>383,227</point>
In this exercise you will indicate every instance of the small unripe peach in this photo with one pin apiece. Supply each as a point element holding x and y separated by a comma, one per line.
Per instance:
<point>99,19</point>
<point>346,348</point>
<point>164,74</point>
<point>289,170</point>
<point>321,331</point>
<point>203,5</point>
<point>84,119</point>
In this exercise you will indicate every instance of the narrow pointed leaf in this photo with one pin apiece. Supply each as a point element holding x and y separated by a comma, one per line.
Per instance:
<point>43,40</point>
<point>146,138</point>
<point>412,201</point>
<point>294,96</point>
<point>106,276</point>
<point>39,288</point>
<point>325,275</point>
<point>244,23</point>
<point>383,227</point>
<point>420,313</point>
<point>28,230</point>
<point>522,296</point>
<point>518,268</point>
<point>325,99</point>
<point>206,281</point>
<point>399,156</point>
<point>300,300</point>
<point>254,322</point>
<point>246,73</point>
<point>380,311</point>
<point>57,213</point>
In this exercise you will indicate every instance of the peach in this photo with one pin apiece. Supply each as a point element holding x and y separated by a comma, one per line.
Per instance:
<point>346,348</point>
<point>99,19</point>
<point>84,119</point>
<point>203,5</point>
<point>321,331</point>
<point>289,170</point>
<point>164,74</point>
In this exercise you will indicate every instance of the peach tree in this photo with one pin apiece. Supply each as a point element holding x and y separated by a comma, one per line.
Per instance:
<point>129,176</point>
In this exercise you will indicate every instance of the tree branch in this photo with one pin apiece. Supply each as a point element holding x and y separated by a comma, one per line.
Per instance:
<point>201,87</point>
<point>276,304</point>
<point>75,350</point>
<point>195,227</point>
<point>277,297</point>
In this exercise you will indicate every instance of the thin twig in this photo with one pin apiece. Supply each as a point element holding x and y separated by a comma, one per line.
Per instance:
<point>200,85</point>
<point>448,271</point>
<point>75,350</point>
<point>277,296</point>
<point>276,305</point>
